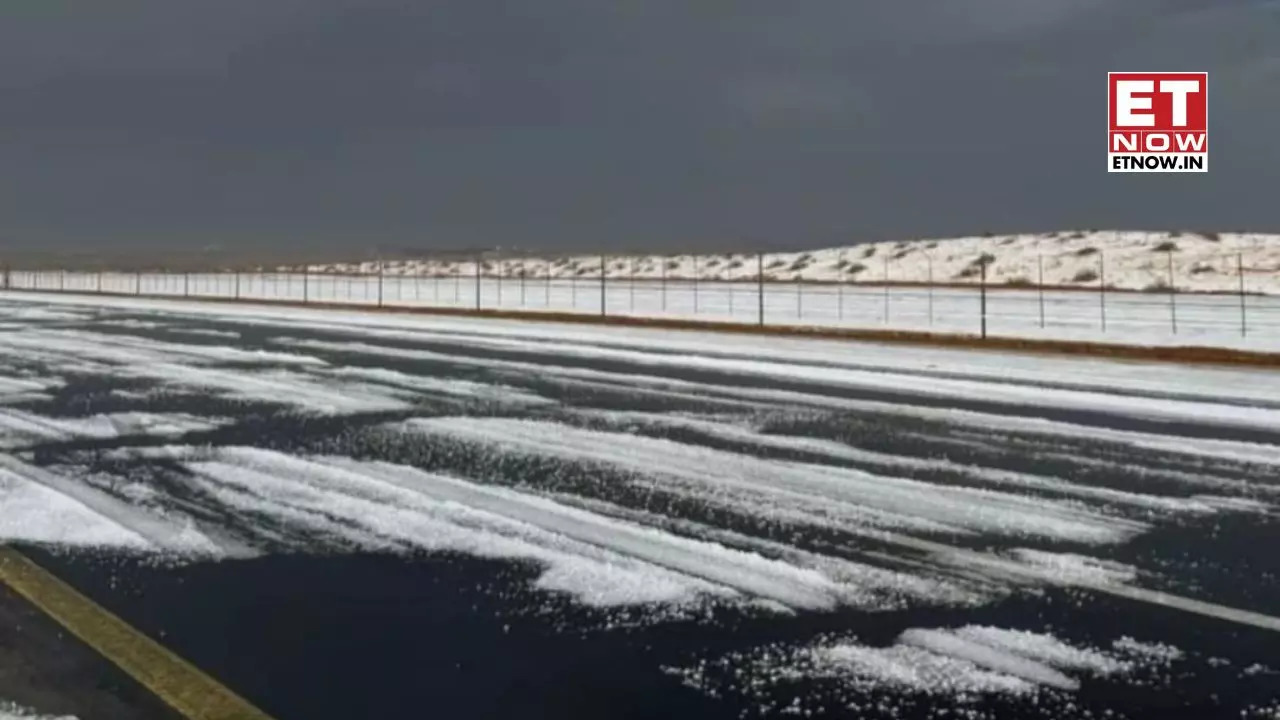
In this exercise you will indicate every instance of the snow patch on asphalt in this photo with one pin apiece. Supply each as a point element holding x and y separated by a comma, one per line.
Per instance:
<point>1151,651</point>
<point>301,392</point>
<point>41,506</point>
<point>816,494</point>
<point>598,559</point>
<point>26,385</point>
<point>112,349</point>
<point>451,387</point>
<point>957,666</point>
<point>1073,569</point>
<point>11,711</point>
<point>831,449</point>
<point>206,332</point>
<point>33,513</point>
<point>18,428</point>
<point>328,504</point>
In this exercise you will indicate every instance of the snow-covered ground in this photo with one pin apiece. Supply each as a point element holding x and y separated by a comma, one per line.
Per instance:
<point>10,711</point>
<point>1084,292</point>
<point>1120,260</point>
<point>654,478</point>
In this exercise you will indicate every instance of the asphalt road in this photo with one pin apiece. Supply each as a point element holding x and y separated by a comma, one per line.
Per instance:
<point>42,666</point>
<point>341,516</point>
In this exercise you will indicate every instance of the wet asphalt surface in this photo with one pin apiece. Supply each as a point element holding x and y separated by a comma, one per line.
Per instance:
<point>311,628</point>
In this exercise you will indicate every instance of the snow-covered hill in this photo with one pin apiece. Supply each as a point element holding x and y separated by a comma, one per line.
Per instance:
<point>1122,260</point>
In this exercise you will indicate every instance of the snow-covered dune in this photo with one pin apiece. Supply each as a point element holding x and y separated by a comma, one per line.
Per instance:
<point>1121,260</point>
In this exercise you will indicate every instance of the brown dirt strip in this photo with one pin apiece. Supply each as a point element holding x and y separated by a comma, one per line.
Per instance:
<point>1186,354</point>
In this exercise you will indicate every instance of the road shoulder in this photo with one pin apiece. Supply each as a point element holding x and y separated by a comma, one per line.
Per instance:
<point>46,669</point>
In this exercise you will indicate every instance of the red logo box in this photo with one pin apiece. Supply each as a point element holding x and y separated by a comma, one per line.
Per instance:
<point>1157,114</point>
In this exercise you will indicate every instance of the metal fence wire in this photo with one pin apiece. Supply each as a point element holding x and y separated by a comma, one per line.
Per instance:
<point>1076,293</point>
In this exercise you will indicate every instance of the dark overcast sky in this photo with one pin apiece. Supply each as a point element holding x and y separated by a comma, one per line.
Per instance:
<point>610,123</point>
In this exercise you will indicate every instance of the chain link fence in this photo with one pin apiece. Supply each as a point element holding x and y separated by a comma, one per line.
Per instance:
<point>1152,293</point>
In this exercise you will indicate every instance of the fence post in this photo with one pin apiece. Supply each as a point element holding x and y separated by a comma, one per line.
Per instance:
<point>886,290</point>
<point>696,272</point>
<point>62,281</point>
<point>844,269</point>
<point>524,273</point>
<point>1102,288</point>
<point>604,301</point>
<point>306,284</point>
<point>1244,327</point>
<point>728,283</point>
<point>380,282</point>
<point>137,282</point>
<point>477,261</point>
<point>1173,297</point>
<point>1040,286</point>
<point>632,284</point>
<point>502,270</point>
<point>929,260</point>
<point>663,283</point>
<point>237,284</point>
<point>760,286</point>
<point>6,280</point>
<point>982,294</point>
<point>799,294</point>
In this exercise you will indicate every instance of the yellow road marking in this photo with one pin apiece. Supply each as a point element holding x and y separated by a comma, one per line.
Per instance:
<point>174,680</point>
